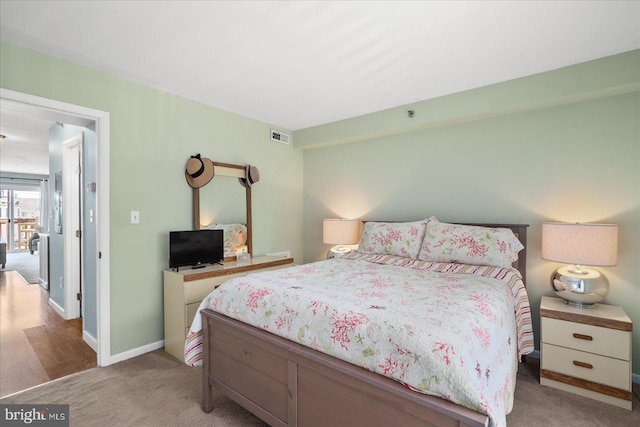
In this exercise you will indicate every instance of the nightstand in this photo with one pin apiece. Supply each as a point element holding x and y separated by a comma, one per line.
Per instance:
<point>586,351</point>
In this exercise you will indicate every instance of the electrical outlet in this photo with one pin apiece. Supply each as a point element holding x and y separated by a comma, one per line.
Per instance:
<point>135,217</point>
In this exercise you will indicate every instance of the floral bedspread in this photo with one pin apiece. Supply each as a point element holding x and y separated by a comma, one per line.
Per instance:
<point>449,330</point>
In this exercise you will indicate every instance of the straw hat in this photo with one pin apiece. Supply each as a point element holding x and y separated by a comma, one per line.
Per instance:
<point>199,171</point>
<point>252,174</point>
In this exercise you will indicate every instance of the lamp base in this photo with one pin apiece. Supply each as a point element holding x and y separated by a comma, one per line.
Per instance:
<point>579,286</point>
<point>338,251</point>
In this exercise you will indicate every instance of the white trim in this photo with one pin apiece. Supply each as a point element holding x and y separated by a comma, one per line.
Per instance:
<point>138,351</point>
<point>57,308</point>
<point>103,230</point>
<point>90,340</point>
<point>103,266</point>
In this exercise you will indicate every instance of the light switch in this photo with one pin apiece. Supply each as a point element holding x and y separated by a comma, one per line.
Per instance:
<point>135,217</point>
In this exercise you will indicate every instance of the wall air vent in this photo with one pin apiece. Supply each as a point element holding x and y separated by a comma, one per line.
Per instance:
<point>278,136</point>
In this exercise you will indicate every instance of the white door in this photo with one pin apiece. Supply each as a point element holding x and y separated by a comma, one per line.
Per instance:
<point>72,224</point>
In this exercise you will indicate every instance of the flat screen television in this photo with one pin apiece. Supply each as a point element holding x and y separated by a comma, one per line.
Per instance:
<point>195,248</point>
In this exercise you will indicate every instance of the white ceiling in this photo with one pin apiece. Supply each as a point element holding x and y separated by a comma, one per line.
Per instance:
<point>301,64</point>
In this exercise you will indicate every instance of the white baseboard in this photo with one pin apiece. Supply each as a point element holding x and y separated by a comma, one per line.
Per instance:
<point>90,340</point>
<point>134,352</point>
<point>535,354</point>
<point>93,342</point>
<point>57,308</point>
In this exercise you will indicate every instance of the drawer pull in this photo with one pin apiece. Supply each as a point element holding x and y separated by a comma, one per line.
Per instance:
<point>583,337</point>
<point>583,364</point>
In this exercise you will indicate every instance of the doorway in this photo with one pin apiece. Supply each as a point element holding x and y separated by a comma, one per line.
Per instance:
<point>70,113</point>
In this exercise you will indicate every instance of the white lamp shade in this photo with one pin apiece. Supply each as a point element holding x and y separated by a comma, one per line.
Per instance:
<point>580,244</point>
<point>341,231</point>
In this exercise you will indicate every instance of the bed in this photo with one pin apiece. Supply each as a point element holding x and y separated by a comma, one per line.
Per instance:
<point>342,341</point>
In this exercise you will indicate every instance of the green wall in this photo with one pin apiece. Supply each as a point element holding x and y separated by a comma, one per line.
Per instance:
<point>559,146</point>
<point>562,145</point>
<point>152,135</point>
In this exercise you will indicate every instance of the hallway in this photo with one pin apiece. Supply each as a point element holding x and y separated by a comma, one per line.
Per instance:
<point>36,345</point>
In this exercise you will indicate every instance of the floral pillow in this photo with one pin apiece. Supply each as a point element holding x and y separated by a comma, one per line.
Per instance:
<point>466,244</point>
<point>393,238</point>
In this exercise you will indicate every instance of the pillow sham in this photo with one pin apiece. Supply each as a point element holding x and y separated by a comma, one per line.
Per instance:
<point>468,244</point>
<point>393,238</point>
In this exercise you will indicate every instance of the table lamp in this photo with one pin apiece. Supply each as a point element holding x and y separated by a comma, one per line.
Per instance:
<point>580,244</point>
<point>340,232</point>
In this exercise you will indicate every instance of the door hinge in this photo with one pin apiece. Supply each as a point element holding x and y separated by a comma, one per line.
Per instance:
<point>78,233</point>
<point>99,255</point>
<point>79,296</point>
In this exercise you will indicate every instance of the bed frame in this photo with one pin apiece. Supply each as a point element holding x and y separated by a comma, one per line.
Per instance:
<point>287,384</point>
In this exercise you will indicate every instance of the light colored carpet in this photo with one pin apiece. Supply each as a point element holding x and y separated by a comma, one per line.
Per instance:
<point>151,390</point>
<point>157,390</point>
<point>536,405</point>
<point>24,263</point>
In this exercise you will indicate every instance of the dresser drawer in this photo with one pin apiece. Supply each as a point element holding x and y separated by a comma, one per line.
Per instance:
<point>593,339</point>
<point>587,366</point>
<point>191,310</point>
<point>197,290</point>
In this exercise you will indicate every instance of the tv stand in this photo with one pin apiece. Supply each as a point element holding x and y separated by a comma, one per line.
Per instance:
<point>197,266</point>
<point>185,289</point>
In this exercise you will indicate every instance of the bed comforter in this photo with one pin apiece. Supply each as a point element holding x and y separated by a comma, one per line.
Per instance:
<point>450,330</point>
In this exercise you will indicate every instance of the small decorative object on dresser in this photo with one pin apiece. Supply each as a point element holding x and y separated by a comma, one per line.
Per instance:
<point>580,244</point>
<point>184,290</point>
<point>586,352</point>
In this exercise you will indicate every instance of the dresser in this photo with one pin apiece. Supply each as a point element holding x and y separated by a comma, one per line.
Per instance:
<point>586,351</point>
<point>185,289</point>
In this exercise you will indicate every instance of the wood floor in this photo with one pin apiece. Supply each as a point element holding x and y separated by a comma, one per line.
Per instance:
<point>36,345</point>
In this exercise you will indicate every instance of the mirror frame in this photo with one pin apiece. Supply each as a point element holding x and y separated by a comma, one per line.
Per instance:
<point>234,171</point>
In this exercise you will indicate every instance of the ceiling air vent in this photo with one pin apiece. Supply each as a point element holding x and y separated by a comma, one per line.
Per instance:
<point>278,136</point>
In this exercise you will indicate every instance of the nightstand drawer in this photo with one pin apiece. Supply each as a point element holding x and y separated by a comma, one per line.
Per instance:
<point>587,366</point>
<point>594,339</point>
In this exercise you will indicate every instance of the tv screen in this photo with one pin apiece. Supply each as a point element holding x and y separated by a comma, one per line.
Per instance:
<point>195,248</point>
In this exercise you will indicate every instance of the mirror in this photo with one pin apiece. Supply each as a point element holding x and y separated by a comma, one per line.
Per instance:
<point>224,200</point>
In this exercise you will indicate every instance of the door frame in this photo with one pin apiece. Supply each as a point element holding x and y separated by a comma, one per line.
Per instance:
<point>72,220</point>
<point>103,266</point>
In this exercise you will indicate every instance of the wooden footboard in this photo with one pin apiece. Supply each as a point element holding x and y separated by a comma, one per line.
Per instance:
<point>287,384</point>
